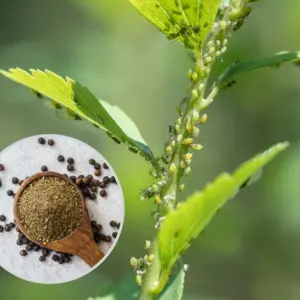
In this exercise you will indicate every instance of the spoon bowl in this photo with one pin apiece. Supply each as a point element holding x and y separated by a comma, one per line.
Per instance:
<point>80,242</point>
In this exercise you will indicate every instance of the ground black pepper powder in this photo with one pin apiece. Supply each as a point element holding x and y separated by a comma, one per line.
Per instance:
<point>50,209</point>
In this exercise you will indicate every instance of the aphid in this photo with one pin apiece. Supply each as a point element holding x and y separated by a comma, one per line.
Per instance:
<point>38,94</point>
<point>139,280</point>
<point>133,262</point>
<point>147,245</point>
<point>187,141</point>
<point>133,149</point>
<point>148,192</point>
<point>157,199</point>
<point>150,258</point>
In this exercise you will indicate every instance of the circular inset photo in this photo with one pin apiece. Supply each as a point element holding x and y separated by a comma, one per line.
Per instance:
<point>61,209</point>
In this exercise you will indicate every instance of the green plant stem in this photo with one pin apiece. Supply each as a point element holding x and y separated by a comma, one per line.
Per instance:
<point>155,281</point>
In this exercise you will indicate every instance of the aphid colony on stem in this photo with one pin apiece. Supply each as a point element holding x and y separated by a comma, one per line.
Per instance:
<point>141,264</point>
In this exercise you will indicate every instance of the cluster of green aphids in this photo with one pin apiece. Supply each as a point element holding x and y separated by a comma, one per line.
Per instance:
<point>140,265</point>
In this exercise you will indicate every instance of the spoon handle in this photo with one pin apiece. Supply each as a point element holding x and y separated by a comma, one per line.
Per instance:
<point>90,253</point>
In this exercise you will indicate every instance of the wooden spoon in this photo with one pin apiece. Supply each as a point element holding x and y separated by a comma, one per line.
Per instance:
<point>80,242</point>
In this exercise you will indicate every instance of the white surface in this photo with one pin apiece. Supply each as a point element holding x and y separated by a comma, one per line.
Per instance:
<point>25,158</point>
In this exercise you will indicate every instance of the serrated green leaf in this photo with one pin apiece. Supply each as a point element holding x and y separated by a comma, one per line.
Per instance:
<point>246,66</point>
<point>184,224</point>
<point>174,289</point>
<point>188,21</point>
<point>79,101</point>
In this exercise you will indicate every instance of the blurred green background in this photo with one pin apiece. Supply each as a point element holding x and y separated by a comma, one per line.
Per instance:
<point>251,249</point>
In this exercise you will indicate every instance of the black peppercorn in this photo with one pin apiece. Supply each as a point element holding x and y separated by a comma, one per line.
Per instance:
<point>1,228</point>
<point>102,185</point>
<point>86,192</point>
<point>97,166</point>
<point>12,225</point>
<point>97,172</point>
<point>95,182</point>
<point>61,260</point>
<point>108,239</point>
<point>113,223</point>
<point>10,193</point>
<point>45,252</point>
<point>7,227</point>
<point>93,196</point>
<point>85,180</point>
<point>114,234</point>
<point>21,235</point>
<point>23,252</point>
<point>102,237</point>
<point>50,142</point>
<point>18,229</point>
<point>55,257</point>
<point>15,180</point>
<point>1,167</point>
<point>78,181</point>
<point>103,193</point>
<point>26,241</point>
<point>60,158</point>
<point>92,161</point>
<point>105,166</point>
<point>118,225</point>
<point>99,227</point>
<point>113,179</point>
<point>41,141</point>
<point>94,189</point>
<point>67,259</point>
<point>42,258</point>
<point>0,183</point>
<point>29,247</point>
<point>106,179</point>
<point>94,224</point>
<point>81,176</point>
<point>2,218</point>
<point>73,178</point>
<point>70,168</point>
<point>70,161</point>
<point>19,242</point>
<point>97,238</point>
<point>36,248</point>
<point>44,169</point>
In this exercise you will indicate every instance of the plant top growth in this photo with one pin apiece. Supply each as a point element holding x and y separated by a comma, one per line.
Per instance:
<point>204,28</point>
